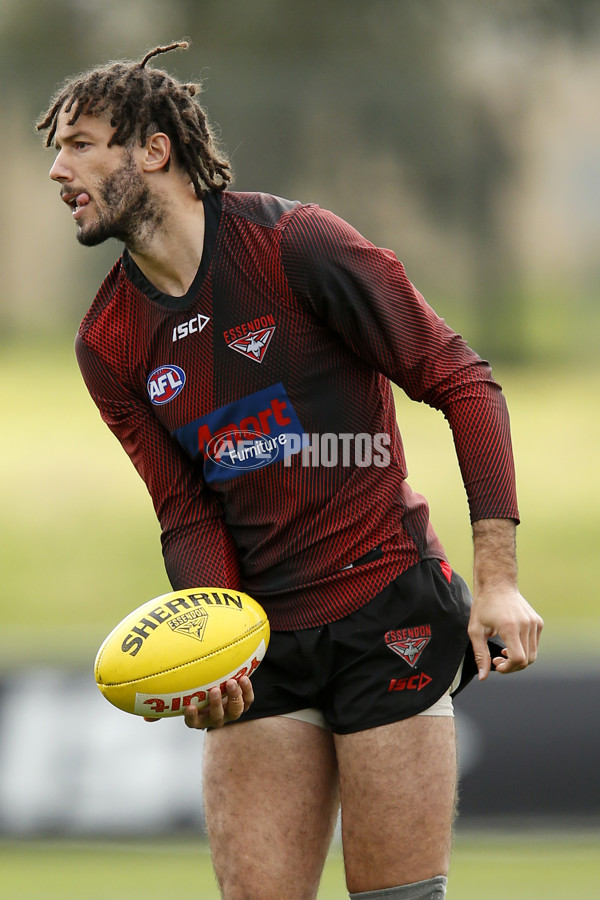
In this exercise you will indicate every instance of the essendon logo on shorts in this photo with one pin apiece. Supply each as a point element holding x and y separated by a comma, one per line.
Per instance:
<point>409,643</point>
<point>249,434</point>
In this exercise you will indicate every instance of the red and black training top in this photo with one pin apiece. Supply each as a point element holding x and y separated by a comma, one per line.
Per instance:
<point>236,401</point>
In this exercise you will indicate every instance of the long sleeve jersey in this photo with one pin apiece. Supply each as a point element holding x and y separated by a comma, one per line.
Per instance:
<point>258,408</point>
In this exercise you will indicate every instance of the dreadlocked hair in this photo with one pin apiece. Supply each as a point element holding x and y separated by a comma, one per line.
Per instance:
<point>143,101</point>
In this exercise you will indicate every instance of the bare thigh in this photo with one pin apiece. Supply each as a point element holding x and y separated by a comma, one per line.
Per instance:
<point>271,800</point>
<point>398,787</point>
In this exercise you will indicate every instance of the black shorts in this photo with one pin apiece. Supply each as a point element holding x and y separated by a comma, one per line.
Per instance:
<point>391,659</point>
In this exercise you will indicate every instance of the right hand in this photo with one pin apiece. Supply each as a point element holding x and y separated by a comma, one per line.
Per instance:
<point>222,708</point>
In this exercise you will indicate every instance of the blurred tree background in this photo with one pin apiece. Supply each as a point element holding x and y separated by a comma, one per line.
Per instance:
<point>465,136</point>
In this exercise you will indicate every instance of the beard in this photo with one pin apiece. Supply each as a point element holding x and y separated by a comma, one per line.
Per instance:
<point>125,209</point>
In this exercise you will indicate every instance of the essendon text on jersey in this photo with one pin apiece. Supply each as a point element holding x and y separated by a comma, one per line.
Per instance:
<point>240,331</point>
<point>248,434</point>
<point>252,338</point>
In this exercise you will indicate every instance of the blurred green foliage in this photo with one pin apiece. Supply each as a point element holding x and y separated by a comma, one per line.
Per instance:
<point>435,128</point>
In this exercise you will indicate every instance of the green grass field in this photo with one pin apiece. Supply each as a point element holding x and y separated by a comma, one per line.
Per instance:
<point>493,866</point>
<point>80,546</point>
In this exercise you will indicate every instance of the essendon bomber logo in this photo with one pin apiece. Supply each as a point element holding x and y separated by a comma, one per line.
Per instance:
<point>191,623</point>
<point>252,338</point>
<point>164,384</point>
<point>409,643</point>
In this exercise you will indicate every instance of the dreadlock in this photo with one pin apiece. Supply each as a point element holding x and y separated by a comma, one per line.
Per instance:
<point>142,101</point>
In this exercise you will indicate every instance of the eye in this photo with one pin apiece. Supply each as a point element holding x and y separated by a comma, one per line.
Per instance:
<point>81,145</point>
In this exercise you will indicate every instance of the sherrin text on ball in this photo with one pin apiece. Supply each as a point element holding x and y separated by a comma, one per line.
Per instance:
<point>169,652</point>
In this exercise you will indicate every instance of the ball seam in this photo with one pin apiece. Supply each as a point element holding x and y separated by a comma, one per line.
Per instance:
<point>190,662</point>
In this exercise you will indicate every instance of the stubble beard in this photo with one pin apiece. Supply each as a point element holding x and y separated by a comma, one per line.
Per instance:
<point>127,210</point>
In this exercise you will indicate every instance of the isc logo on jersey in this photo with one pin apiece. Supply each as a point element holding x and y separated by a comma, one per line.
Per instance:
<point>243,436</point>
<point>164,384</point>
<point>192,326</point>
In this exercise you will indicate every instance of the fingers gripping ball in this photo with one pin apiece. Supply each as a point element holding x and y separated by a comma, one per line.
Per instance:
<point>169,652</point>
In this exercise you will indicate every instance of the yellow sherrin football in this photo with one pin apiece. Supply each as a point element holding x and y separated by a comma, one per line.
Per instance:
<point>169,652</point>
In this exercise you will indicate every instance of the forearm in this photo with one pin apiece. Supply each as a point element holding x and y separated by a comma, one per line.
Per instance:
<point>494,554</point>
<point>201,553</point>
<point>478,417</point>
<point>498,607</point>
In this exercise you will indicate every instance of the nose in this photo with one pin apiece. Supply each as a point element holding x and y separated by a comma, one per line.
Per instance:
<point>59,171</point>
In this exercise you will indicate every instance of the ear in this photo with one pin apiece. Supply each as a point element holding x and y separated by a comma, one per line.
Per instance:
<point>157,152</point>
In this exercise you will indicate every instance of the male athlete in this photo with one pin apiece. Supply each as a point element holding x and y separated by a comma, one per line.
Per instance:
<point>241,350</point>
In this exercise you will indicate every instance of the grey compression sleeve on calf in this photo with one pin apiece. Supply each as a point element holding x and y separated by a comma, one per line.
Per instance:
<point>432,889</point>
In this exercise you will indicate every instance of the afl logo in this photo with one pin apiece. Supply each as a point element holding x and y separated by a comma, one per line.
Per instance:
<point>164,384</point>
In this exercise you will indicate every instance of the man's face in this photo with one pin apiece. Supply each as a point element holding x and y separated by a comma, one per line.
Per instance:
<point>103,185</point>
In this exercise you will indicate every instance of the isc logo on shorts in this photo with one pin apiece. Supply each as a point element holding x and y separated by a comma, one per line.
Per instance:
<point>164,384</point>
<point>243,436</point>
<point>413,683</point>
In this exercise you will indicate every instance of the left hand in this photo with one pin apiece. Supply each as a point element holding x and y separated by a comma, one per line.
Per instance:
<point>505,612</point>
<point>498,606</point>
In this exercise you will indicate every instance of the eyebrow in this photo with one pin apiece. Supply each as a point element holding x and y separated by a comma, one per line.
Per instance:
<point>73,138</point>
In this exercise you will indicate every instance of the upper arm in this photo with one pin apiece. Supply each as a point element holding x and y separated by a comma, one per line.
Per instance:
<point>196,543</point>
<point>362,293</point>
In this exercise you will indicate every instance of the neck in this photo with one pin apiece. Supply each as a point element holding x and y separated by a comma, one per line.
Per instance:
<point>170,256</point>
